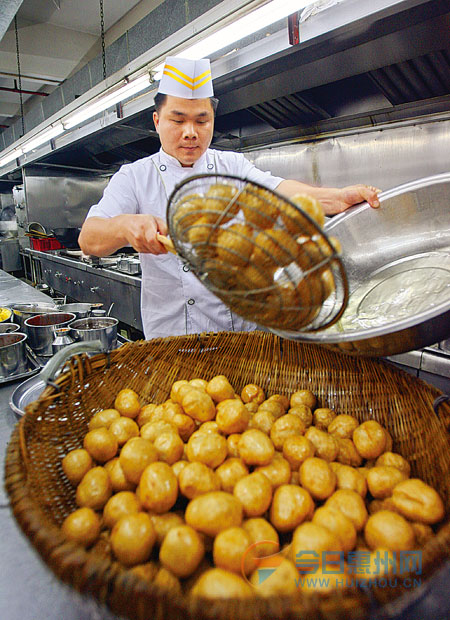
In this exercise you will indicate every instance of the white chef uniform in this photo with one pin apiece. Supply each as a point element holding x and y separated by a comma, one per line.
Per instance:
<point>173,300</point>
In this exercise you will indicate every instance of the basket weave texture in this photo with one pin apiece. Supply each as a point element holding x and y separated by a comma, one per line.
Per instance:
<point>41,496</point>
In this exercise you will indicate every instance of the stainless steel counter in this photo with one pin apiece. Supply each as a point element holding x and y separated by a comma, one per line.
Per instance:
<point>15,291</point>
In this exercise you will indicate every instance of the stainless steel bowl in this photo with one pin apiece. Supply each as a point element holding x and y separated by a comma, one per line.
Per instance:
<point>22,312</point>
<point>80,310</point>
<point>13,354</point>
<point>8,328</point>
<point>96,328</point>
<point>41,330</point>
<point>397,260</point>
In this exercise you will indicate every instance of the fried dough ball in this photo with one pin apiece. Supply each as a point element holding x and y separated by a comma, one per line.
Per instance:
<point>233,444</point>
<point>280,398</point>
<point>275,408</point>
<point>282,582</point>
<point>119,505</point>
<point>317,477</point>
<point>82,526</point>
<point>349,478</point>
<point>296,449</point>
<point>254,491</point>
<point>382,480</point>
<point>255,447</point>
<point>291,506</point>
<point>127,403</point>
<point>101,444</point>
<point>94,489</point>
<point>343,426</point>
<point>209,427</point>
<point>232,416</point>
<point>124,429</point>
<point>213,512</point>
<point>338,523</point>
<point>154,429</point>
<point>219,388</point>
<point>187,210</point>
<point>252,393</point>
<point>351,504</point>
<point>274,246</point>
<point>392,459</point>
<point>222,193</point>
<point>146,414</point>
<point>286,426</point>
<point>134,457</point>
<point>132,538</point>
<point>184,424</point>
<point>326,446</point>
<point>76,464</point>
<point>199,383</point>
<point>312,537</point>
<point>208,448</point>
<point>169,447</point>
<point>323,416</point>
<point>389,530</point>
<point>235,245</point>
<point>347,452</point>
<point>198,404</point>
<point>308,205</point>
<point>231,470</point>
<point>119,481</point>
<point>417,501</point>
<point>175,395</point>
<point>196,479</point>
<point>158,487</point>
<point>165,522</point>
<point>103,418</point>
<point>303,397</point>
<point>262,420</point>
<point>262,532</point>
<point>217,583</point>
<point>229,548</point>
<point>260,206</point>
<point>369,439</point>
<point>278,471</point>
<point>182,550</point>
<point>304,413</point>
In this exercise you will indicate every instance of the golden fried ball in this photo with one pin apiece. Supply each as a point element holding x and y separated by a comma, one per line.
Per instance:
<point>276,408</point>
<point>82,526</point>
<point>174,390</point>
<point>219,388</point>
<point>277,472</point>
<point>134,457</point>
<point>274,247</point>
<point>232,416</point>
<point>252,393</point>
<point>146,414</point>
<point>260,206</point>
<point>308,205</point>
<point>317,477</point>
<point>132,538</point>
<point>343,426</point>
<point>351,504</point>
<point>254,491</point>
<point>349,478</point>
<point>262,420</point>
<point>199,405</point>
<point>119,481</point>
<point>101,444</point>
<point>209,427</point>
<point>262,532</point>
<point>154,429</point>
<point>369,439</point>
<point>229,548</point>
<point>119,505</point>
<point>231,470</point>
<point>382,479</point>
<point>232,444</point>
<point>389,530</point>
<point>323,416</point>
<point>217,583</point>
<point>213,512</point>
<point>286,426</point>
<point>235,245</point>
<point>338,523</point>
<point>417,501</point>
<point>76,464</point>
<point>182,550</point>
<point>127,403</point>
<point>296,449</point>
<point>255,447</point>
<point>303,397</point>
<point>312,537</point>
<point>304,413</point>
<point>164,522</point>
<point>325,444</point>
<point>196,479</point>
<point>158,487</point>
<point>169,447</point>
<point>103,418</point>
<point>291,506</point>
<point>124,429</point>
<point>392,459</point>
<point>94,489</point>
<point>208,448</point>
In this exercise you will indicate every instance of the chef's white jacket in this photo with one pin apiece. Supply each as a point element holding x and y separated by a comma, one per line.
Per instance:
<point>173,300</point>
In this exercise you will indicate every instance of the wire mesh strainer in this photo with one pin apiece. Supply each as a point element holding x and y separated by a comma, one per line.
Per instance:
<point>262,255</point>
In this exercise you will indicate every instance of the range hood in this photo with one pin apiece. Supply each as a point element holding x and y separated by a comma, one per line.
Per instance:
<point>358,64</point>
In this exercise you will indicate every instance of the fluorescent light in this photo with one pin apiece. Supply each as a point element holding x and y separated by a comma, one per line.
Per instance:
<point>106,101</point>
<point>243,27</point>
<point>45,136</point>
<point>10,157</point>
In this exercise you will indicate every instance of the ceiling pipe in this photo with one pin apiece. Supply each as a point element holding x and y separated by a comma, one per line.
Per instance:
<point>25,92</point>
<point>8,9</point>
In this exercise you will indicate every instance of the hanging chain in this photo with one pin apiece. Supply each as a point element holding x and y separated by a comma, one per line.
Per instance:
<point>19,74</point>
<point>102,25</point>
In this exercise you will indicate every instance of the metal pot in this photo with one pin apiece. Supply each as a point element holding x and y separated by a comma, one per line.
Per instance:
<point>13,354</point>
<point>8,328</point>
<point>41,330</point>
<point>80,310</point>
<point>22,312</point>
<point>96,328</point>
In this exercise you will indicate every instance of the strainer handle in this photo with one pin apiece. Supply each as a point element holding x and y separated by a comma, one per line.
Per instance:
<point>49,371</point>
<point>166,242</point>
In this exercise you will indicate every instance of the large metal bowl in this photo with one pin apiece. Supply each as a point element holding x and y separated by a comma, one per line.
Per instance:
<point>397,260</point>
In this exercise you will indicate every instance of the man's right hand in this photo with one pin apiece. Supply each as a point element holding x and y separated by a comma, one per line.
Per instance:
<point>140,232</point>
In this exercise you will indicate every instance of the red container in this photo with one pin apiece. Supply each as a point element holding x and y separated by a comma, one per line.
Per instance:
<point>46,244</point>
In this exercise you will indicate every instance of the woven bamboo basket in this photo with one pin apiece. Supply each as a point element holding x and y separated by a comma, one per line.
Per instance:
<point>41,497</point>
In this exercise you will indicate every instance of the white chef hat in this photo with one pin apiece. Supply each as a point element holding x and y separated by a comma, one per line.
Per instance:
<point>190,79</point>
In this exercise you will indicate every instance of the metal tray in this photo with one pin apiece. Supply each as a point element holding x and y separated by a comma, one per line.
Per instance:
<point>33,367</point>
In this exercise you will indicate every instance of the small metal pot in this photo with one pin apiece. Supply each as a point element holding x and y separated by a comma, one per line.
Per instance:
<point>22,312</point>
<point>13,354</point>
<point>81,311</point>
<point>41,330</point>
<point>8,328</point>
<point>96,328</point>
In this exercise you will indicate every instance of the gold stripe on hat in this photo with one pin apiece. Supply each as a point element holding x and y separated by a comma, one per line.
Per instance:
<point>208,79</point>
<point>180,73</point>
<point>202,75</point>
<point>174,77</point>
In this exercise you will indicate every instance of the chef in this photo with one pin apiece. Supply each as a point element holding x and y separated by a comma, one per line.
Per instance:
<point>133,207</point>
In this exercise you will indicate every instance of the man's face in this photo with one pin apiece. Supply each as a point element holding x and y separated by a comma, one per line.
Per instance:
<point>185,128</point>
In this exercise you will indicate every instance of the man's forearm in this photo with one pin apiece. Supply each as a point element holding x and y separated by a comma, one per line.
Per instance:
<point>102,236</point>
